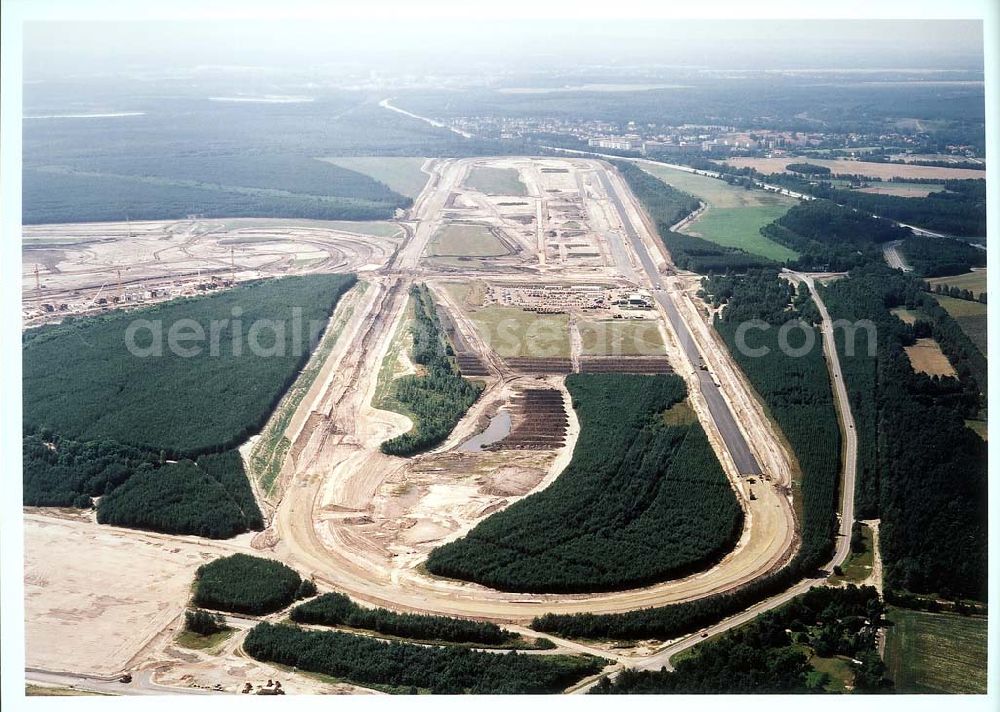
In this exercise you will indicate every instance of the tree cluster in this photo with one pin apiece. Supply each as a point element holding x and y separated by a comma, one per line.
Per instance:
<point>632,480</point>
<point>404,667</point>
<point>941,257</point>
<point>245,584</point>
<point>437,399</point>
<point>204,622</point>
<point>336,609</point>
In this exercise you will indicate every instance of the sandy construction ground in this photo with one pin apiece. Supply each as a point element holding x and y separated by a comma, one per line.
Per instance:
<point>95,595</point>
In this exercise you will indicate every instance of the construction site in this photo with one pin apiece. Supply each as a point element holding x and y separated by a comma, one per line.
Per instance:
<point>565,276</point>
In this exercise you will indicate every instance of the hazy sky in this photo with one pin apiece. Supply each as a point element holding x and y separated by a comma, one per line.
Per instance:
<point>74,47</point>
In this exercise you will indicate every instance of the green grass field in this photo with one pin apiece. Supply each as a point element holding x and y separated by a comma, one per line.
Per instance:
<point>734,215</point>
<point>974,281</point>
<point>196,641</point>
<point>621,338</point>
<point>461,240</point>
<point>936,652</point>
<point>514,333</point>
<point>496,181</point>
<point>971,316</point>
<point>858,566</point>
<point>402,175</point>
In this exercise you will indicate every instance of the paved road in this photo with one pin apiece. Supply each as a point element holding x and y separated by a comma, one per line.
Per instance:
<point>893,257</point>
<point>737,445</point>
<point>849,464</point>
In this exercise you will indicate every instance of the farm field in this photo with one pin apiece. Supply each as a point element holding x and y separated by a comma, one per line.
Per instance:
<point>904,190</point>
<point>621,338</point>
<point>465,240</point>
<point>926,357</point>
<point>515,333</point>
<point>401,173</point>
<point>974,281</point>
<point>971,316</point>
<point>865,168</point>
<point>734,215</point>
<point>936,652</point>
<point>495,181</point>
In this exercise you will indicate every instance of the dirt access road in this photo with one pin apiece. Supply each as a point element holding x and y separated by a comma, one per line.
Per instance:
<point>332,521</point>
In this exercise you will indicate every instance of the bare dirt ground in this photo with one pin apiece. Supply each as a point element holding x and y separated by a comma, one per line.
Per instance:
<point>926,356</point>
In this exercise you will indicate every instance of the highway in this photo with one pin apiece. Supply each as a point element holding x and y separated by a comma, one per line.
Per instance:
<point>736,443</point>
<point>842,546</point>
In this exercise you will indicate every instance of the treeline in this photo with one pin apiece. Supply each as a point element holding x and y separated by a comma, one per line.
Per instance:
<point>956,292</point>
<point>336,609</point>
<point>437,399</point>
<point>246,584</point>
<point>68,197</point>
<point>795,387</point>
<point>137,488</point>
<point>797,391</point>
<point>829,237</point>
<point>930,488</point>
<point>941,256</point>
<point>771,653</point>
<point>810,169</point>
<point>404,667</point>
<point>666,206</point>
<point>633,480</point>
<point>959,210</point>
<point>181,498</point>
<point>83,381</point>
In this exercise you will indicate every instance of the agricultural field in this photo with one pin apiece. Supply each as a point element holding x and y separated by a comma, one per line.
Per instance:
<point>936,652</point>
<point>621,338</point>
<point>465,240</point>
<point>495,181</point>
<point>974,281</point>
<point>401,174</point>
<point>926,357</point>
<point>734,215</point>
<point>885,171</point>
<point>515,333</point>
<point>632,480</point>
<point>971,316</point>
<point>903,190</point>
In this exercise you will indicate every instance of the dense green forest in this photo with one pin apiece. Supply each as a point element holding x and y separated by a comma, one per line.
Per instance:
<point>940,256</point>
<point>336,609</point>
<point>772,653</point>
<point>404,667</point>
<point>178,498</point>
<point>102,422</point>
<point>797,391</point>
<point>60,195</point>
<point>245,584</point>
<point>829,237</point>
<point>794,387</point>
<point>437,399</point>
<point>924,471</point>
<point>82,382</point>
<point>641,501</point>
<point>960,209</point>
<point>666,205</point>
